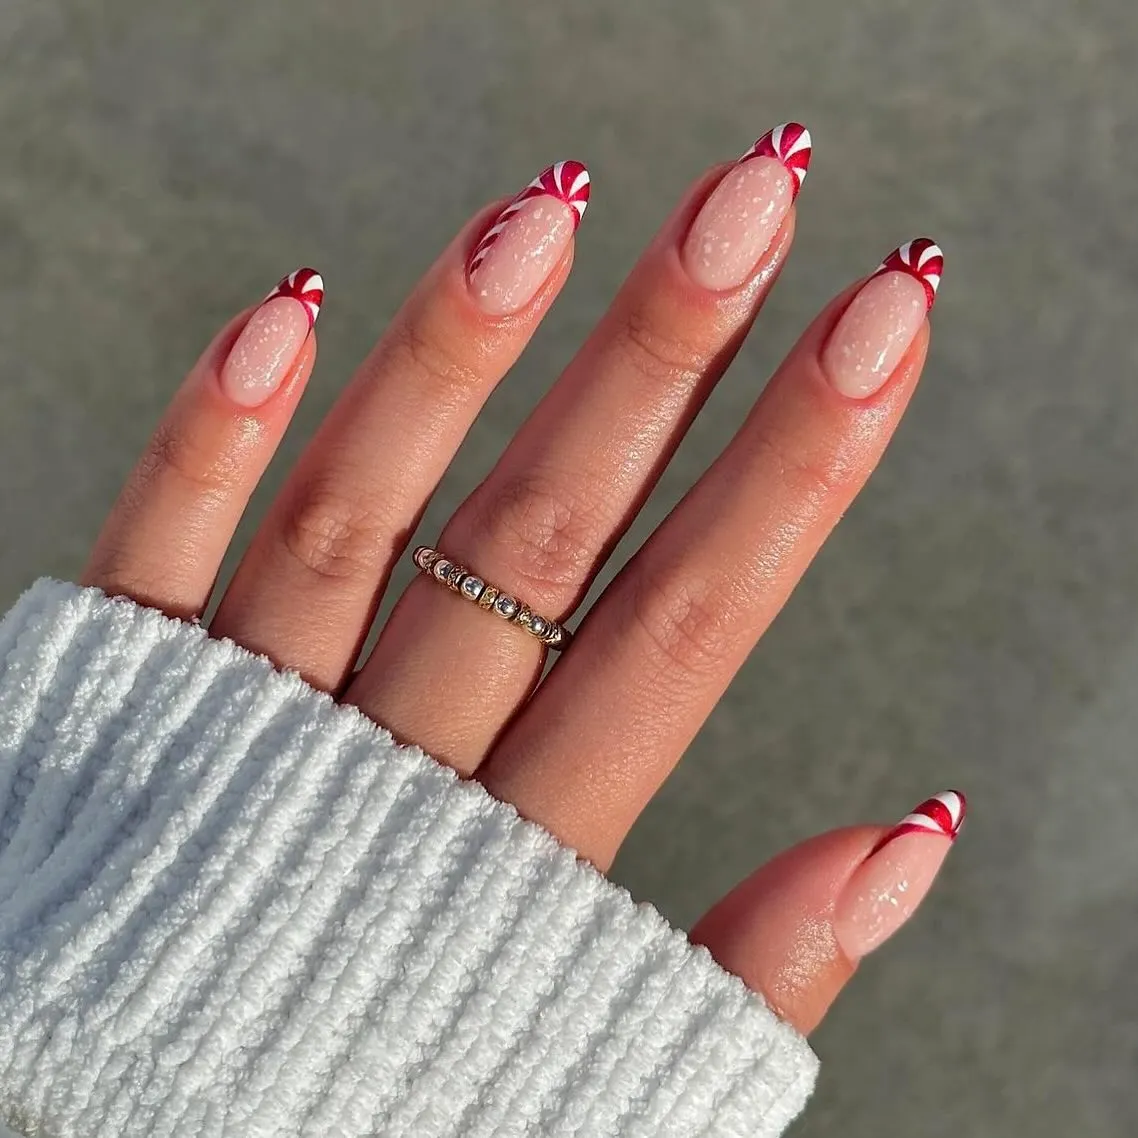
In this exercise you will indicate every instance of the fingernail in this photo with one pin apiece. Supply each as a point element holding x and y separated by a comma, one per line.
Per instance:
<point>887,887</point>
<point>875,331</point>
<point>264,353</point>
<point>528,239</point>
<point>739,221</point>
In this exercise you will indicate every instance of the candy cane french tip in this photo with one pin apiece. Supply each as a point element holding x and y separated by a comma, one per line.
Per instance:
<point>942,814</point>
<point>264,353</point>
<point>528,238</point>
<point>742,216</point>
<point>885,890</point>
<point>789,144</point>
<point>304,285</point>
<point>923,260</point>
<point>880,323</point>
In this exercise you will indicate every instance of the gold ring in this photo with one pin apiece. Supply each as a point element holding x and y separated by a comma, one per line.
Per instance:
<point>469,585</point>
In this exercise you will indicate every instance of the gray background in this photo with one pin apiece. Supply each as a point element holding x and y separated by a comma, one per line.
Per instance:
<point>972,622</point>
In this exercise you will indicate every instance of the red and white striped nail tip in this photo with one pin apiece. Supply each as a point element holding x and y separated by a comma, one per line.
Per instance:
<point>922,259</point>
<point>305,285</point>
<point>791,145</point>
<point>568,182</point>
<point>942,814</point>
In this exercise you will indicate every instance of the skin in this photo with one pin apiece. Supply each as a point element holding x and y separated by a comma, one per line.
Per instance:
<point>583,752</point>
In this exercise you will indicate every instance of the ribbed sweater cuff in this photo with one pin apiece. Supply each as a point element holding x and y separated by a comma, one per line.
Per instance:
<point>231,907</point>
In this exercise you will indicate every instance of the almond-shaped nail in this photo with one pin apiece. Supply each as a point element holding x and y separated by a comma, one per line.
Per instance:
<point>264,352</point>
<point>887,887</point>
<point>739,220</point>
<point>875,331</point>
<point>528,238</point>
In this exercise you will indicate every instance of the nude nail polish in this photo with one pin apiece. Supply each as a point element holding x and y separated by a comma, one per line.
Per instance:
<point>739,220</point>
<point>877,328</point>
<point>266,349</point>
<point>528,238</point>
<point>887,887</point>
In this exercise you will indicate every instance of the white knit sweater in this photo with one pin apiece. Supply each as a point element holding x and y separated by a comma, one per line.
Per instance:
<point>230,907</point>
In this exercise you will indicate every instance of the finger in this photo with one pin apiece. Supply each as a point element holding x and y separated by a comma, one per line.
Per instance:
<point>576,474</point>
<point>166,535</point>
<point>796,929</point>
<point>306,591</point>
<point>658,649</point>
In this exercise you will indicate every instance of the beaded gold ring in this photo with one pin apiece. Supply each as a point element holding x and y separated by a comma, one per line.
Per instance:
<point>473,588</point>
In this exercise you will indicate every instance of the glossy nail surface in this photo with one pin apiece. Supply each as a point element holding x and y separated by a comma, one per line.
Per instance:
<point>878,327</point>
<point>887,887</point>
<point>739,220</point>
<point>528,239</point>
<point>267,347</point>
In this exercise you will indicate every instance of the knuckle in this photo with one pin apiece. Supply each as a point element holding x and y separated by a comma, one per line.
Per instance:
<point>333,535</point>
<point>119,569</point>
<point>174,453</point>
<point>431,361</point>
<point>806,475</point>
<point>658,355</point>
<point>549,537</point>
<point>687,627</point>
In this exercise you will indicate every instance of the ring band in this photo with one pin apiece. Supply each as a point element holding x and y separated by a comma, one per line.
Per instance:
<point>469,585</point>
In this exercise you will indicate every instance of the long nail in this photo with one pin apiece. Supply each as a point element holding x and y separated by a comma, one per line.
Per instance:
<point>264,353</point>
<point>528,238</point>
<point>887,887</point>
<point>739,220</point>
<point>877,328</point>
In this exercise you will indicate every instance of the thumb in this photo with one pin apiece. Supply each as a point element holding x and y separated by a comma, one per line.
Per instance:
<point>795,929</point>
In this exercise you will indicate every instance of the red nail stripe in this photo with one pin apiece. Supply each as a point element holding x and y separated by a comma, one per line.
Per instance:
<point>305,285</point>
<point>791,145</point>
<point>941,814</point>
<point>566,181</point>
<point>922,259</point>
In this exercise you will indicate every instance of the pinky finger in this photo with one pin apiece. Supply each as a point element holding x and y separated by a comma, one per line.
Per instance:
<point>165,538</point>
<point>795,930</point>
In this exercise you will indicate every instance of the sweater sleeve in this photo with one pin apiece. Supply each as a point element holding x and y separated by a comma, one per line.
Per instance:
<point>231,907</point>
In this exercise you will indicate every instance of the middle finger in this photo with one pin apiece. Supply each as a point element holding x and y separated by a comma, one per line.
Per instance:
<point>578,471</point>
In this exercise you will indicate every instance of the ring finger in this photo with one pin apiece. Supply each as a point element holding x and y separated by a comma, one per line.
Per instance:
<point>577,472</point>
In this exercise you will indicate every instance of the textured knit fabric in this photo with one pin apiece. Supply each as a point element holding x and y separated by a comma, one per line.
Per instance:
<point>231,907</point>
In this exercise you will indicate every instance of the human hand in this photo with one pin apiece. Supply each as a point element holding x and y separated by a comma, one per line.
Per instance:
<point>582,751</point>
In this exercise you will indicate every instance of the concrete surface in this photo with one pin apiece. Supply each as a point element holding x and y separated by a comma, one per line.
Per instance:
<point>975,619</point>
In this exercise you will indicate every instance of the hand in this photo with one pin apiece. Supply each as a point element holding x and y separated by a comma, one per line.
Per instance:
<point>584,750</point>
